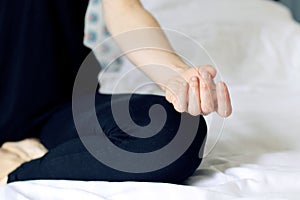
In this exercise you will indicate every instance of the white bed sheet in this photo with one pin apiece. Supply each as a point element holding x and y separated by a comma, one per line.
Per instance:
<point>257,155</point>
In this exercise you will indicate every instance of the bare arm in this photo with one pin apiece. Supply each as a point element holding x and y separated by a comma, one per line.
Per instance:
<point>127,15</point>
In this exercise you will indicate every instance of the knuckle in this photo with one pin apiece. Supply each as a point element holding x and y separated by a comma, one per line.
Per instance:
<point>204,85</point>
<point>211,69</point>
<point>193,84</point>
<point>209,66</point>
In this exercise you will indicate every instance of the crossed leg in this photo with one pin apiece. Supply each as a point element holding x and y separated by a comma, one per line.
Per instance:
<point>69,159</point>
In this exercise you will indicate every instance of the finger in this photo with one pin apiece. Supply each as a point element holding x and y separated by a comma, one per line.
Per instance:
<point>206,93</point>
<point>209,69</point>
<point>170,92</point>
<point>224,102</point>
<point>169,96</point>
<point>194,97</point>
<point>181,101</point>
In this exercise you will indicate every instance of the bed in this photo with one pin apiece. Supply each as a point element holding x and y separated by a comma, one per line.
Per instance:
<point>256,46</point>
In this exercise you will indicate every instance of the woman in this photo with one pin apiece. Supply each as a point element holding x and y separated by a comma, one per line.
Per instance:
<point>41,51</point>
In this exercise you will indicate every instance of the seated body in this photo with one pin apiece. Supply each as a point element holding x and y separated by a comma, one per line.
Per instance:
<point>41,55</point>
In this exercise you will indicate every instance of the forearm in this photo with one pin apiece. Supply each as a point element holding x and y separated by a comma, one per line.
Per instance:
<point>129,15</point>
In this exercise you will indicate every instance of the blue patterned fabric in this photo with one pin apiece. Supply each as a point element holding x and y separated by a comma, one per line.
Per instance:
<point>96,33</point>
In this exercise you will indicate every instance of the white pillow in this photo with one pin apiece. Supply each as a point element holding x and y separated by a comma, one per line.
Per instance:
<point>251,41</point>
<point>245,37</point>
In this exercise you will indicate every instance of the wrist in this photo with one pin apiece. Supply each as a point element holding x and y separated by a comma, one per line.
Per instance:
<point>176,71</point>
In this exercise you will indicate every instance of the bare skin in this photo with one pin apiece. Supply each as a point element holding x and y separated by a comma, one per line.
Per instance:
<point>14,154</point>
<point>194,91</point>
<point>190,90</point>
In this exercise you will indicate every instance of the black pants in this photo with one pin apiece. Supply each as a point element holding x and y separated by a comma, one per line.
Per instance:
<point>69,159</point>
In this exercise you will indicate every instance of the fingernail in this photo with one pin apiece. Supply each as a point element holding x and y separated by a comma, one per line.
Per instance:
<point>194,78</point>
<point>221,85</point>
<point>204,74</point>
<point>226,113</point>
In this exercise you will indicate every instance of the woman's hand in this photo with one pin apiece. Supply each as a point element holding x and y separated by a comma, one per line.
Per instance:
<point>193,89</point>
<point>195,92</point>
